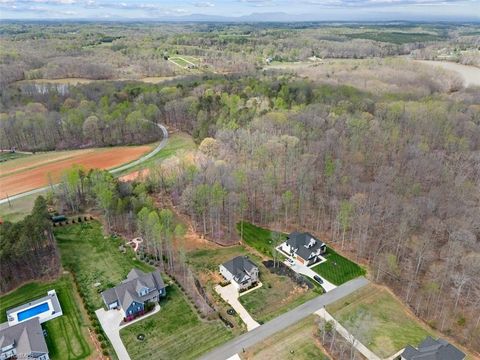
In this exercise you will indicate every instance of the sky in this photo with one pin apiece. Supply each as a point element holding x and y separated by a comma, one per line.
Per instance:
<point>325,10</point>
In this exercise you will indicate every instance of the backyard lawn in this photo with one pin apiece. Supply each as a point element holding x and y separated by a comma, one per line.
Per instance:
<point>95,258</point>
<point>259,238</point>
<point>378,320</point>
<point>297,342</point>
<point>277,295</point>
<point>176,332</point>
<point>67,335</point>
<point>338,269</point>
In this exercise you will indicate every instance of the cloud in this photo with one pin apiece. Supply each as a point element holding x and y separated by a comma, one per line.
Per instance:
<point>203,4</point>
<point>378,3</point>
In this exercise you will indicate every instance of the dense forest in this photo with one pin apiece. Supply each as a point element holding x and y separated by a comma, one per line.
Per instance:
<point>391,179</point>
<point>133,50</point>
<point>380,158</point>
<point>28,249</point>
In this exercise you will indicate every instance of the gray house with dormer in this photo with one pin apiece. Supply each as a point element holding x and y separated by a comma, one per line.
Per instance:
<point>240,271</point>
<point>304,247</point>
<point>135,292</point>
<point>24,340</point>
<point>431,349</point>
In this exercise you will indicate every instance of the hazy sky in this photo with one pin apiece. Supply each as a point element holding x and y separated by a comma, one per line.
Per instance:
<point>165,9</point>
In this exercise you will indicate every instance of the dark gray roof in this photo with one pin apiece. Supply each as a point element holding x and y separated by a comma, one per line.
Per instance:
<point>240,267</point>
<point>299,241</point>
<point>431,349</point>
<point>27,337</point>
<point>127,291</point>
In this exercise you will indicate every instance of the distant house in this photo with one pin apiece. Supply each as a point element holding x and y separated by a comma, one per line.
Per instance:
<point>240,271</point>
<point>304,247</point>
<point>432,349</point>
<point>135,292</point>
<point>24,340</point>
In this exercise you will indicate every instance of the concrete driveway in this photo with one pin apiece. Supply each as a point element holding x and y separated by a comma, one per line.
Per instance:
<point>239,343</point>
<point>110,321</point>
<point>305,270</point>
<point>230,294</point>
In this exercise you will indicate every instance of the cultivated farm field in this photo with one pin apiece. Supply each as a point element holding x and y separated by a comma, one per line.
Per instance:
<point>38,170</point>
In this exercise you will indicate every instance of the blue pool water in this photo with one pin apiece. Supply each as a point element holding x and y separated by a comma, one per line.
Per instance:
<point>33,311</point>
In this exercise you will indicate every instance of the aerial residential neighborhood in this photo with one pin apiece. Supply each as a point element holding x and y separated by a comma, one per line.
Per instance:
<point>240,180</point>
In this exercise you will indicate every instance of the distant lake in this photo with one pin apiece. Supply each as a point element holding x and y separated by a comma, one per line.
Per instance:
<point>470,74</point>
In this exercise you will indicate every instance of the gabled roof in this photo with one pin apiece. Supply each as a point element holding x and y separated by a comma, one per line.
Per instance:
<point>240,267</point>
<point>300,241</point>
<point>127,292</point>
<point>27,337</point>
<point>431,349</point>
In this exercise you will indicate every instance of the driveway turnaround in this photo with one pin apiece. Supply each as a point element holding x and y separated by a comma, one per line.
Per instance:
<point>242,342</point>
<point>110,321</point>
<point>230,294</point>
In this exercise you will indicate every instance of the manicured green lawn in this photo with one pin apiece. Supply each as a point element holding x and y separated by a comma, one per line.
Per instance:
<point>175,332</point>
<point>338,269</point>
<point>259,238</point>
<point>378,320</point>
<point>95,259</point>
<point>66,335</point>
<point>277,295</point>
<point>297,342</point>
<point>6,156</point>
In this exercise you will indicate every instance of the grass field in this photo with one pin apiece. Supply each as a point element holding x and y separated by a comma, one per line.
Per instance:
<point>395,37</point>
<point>277,295</point>
<point>259,238</point>
<point>95,258</point>
<point>176,332</point>
<point>7,156</point>
<point>338,269</point>
<point>66,335</point>
<point>378,320</point>
<point>177,143</point>
<point>297,342</point>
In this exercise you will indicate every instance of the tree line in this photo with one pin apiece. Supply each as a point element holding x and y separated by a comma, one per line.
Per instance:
<point>27,249</point>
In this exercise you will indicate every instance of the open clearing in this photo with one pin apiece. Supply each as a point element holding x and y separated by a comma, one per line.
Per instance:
<point>35,171</point>
<point>277,295</point>
<point>66,335</point>
<point>296,342</point>
<point>378,320</point>
<point>175,332</point>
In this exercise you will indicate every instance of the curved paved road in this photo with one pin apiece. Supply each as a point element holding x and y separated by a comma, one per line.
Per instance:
<point>160,146</point>
<point>238,344</point>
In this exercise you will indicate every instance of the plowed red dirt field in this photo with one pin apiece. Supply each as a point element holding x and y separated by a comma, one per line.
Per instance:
<point>35,171</point>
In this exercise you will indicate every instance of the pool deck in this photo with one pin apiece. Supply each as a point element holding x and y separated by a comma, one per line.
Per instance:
<point>55,309</point>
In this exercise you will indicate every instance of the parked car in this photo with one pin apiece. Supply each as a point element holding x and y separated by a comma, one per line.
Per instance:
<point>291,261</point>
<point>318,279</point>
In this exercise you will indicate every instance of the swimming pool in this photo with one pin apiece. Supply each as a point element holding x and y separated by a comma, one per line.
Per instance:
<point>33,311</point>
